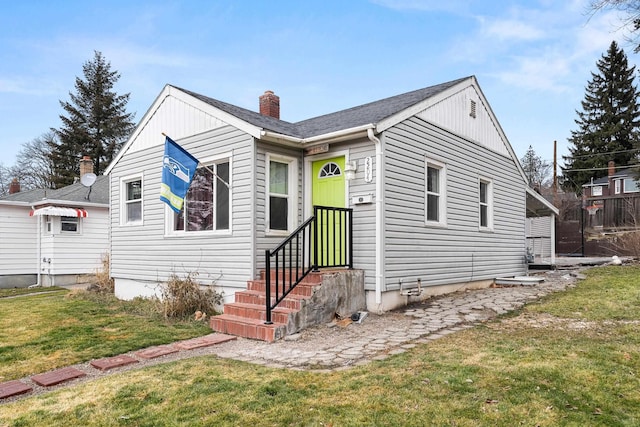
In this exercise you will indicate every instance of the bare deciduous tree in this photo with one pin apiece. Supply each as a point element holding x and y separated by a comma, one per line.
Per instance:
<point>629,14</point>
<point>33,167</point>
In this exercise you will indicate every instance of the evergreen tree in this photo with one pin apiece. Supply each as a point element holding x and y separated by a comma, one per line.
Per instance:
<point>536,169</point>
<point>96,123</point>
<point>608,123</point>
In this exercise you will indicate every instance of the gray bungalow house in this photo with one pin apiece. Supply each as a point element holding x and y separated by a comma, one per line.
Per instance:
<point>435,194</point>
<point>53,237</point>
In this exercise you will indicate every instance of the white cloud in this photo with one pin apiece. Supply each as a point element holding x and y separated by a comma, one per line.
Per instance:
<point>539,49</point>
<point>511,30</point>
<point>21,86</point>
<point>546,72</point>
<point>452,6</point>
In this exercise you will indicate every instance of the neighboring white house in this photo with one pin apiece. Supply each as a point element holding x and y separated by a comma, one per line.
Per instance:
<point>438,194</point>
<point>53,237</point>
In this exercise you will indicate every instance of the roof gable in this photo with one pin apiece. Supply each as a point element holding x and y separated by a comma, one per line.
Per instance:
<point>181,113</point>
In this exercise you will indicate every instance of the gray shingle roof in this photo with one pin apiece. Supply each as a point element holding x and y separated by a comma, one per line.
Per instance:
<point>71,193</point>
<point>372,112</point>
<point>631,172</point>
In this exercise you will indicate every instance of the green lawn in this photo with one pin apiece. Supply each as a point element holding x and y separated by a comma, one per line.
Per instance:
<point>572,359</point>
<point>52,330</point>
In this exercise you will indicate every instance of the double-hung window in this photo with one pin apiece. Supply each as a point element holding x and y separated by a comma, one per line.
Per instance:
<point>631,185</point>
<point>435,197</point>
<point>207,205</point>
<point>485,204</point>
<point>282,191</point>
<point>131,208</point>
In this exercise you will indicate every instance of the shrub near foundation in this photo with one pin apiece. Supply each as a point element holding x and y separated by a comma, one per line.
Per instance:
<point>184,297</point>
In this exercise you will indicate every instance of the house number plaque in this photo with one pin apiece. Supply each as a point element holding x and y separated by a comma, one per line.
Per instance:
<point>368,169</point>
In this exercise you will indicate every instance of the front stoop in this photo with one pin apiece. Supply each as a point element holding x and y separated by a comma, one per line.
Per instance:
<point>315,300</point>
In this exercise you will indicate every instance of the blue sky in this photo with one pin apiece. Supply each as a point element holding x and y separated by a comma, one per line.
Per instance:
<point>532,58</point>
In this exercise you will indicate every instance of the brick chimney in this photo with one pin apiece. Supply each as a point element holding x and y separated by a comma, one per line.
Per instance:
<point>86,166</point>
<point>14,186</point>
<point>612,167</point>
<point>270,104</point>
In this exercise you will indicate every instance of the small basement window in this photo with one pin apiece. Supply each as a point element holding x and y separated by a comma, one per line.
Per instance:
<point>69,224</point>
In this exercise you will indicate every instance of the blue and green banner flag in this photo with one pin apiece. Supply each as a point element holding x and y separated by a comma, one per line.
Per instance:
<point>178,167</point>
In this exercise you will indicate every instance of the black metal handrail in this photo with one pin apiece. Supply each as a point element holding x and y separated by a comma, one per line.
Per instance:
<point>323,240</point>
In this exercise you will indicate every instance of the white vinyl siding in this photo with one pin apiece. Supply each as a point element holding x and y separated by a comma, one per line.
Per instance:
<point>452,114</point>
<point>460,252</point>
<point>18,237</point>
<point>77,252</point>
<point>540,237</point>
<point>150,253</point>
<point>364,215</point>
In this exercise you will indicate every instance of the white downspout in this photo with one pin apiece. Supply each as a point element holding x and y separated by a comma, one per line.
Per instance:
<point>379,234</point>
<point>553,239</point>
<point>38,250</point>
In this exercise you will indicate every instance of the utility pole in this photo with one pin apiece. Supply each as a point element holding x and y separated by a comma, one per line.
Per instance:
<point>555,173</point>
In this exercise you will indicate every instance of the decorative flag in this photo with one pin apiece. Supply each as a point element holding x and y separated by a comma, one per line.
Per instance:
<point>178,167</point>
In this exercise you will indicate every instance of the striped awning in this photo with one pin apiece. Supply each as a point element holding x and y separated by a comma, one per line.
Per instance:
<point>59,211</point>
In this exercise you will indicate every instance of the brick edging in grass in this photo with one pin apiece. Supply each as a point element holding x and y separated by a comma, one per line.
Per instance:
<point>64,375</point>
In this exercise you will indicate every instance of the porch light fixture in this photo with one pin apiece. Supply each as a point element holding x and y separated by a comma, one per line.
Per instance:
<point>350,169</point>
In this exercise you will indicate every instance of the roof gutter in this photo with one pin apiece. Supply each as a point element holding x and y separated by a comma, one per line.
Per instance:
<point>69,203</point>
<point>331,137</point>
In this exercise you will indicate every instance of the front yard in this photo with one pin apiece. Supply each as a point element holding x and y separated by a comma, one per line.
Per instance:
<point>570,359</point>
<point>51,330</point>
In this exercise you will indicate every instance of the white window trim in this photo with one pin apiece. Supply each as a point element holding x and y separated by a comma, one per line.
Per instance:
<point>635,188</point>
<point>617,186</point>
<point>123,199</point>
<point>292,220</point>
<point>442,188</point>
<point>48,225</point>
<point>169,213</point>
<point>489,182</point>
<point>78,228</point>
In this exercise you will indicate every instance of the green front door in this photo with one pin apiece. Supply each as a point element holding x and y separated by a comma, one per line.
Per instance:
<point>328,189</point>
<point>328,182</point>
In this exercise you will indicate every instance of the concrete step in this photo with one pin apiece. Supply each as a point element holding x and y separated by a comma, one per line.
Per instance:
<point>247,328</point>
